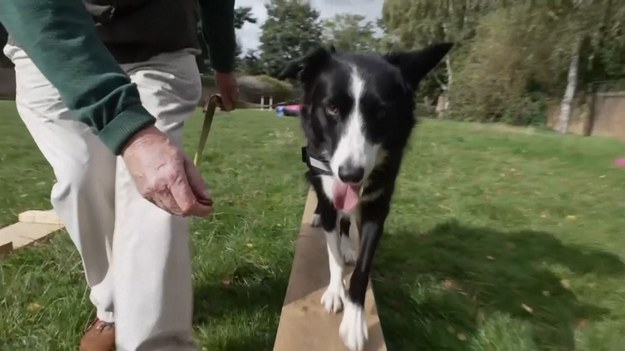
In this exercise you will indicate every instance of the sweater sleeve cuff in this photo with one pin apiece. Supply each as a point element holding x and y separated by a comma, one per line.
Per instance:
<point>117,132</point>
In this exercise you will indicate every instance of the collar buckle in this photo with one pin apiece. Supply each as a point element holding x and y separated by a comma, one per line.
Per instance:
<point>317,165</point>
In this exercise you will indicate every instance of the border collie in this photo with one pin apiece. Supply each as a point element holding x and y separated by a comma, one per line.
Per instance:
<point>357,116</point>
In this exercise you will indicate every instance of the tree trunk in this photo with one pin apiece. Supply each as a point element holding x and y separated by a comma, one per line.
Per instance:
<point>566,106</point>
<point>449,82</point>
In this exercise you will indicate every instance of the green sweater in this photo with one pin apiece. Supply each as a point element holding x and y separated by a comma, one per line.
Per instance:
<point>60,38</point>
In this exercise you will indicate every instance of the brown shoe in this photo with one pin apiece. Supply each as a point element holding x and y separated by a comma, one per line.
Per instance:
<point>99,337</point>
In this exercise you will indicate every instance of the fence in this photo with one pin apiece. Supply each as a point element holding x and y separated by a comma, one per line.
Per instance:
<point>607,109</point>
<point>598,111</point>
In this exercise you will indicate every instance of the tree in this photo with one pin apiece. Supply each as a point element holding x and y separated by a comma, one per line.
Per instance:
<point>416,23</point>
<point>526,50</point>
<point>291,30</point>
<point>350,32</point>
<point>586,30</point>
<point>585,37</point>
<point>251,64</point>
<point>242,15</point>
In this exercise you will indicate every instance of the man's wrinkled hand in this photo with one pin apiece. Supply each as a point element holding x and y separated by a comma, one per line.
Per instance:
<point>228,89</point>
<point>165,176</point>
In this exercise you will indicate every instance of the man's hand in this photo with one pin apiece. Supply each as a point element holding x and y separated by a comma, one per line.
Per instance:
<point>228,89</point>
<point>165,176</point>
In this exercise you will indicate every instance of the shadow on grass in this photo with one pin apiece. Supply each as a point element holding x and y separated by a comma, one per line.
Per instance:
<point>253,293</point>
<point>433,287</point>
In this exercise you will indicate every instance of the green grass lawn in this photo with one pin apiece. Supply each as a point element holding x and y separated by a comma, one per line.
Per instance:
<point>500,239</point>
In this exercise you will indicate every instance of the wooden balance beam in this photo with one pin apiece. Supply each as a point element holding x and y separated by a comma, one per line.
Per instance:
<point>32,226</point>
<point>304,324</point>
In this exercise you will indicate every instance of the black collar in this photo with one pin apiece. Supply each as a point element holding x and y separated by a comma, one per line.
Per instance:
<point>316,164</point>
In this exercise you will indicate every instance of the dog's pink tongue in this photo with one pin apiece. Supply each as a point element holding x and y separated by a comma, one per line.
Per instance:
<point>346,196</point>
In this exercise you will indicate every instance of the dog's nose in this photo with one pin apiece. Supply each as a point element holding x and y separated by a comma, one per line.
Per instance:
<point>350,174</point>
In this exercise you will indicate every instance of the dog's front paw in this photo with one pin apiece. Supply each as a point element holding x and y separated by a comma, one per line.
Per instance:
<point>332,299</point>
<point>316,221</point>
<point>353,329</point>
<point>349,254</point>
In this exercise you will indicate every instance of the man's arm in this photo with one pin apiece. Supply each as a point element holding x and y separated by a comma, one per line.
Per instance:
<point>60,38</point>
<point>218,28</point>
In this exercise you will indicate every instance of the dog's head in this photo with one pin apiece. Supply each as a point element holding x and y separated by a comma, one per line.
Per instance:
<point>357,107</point>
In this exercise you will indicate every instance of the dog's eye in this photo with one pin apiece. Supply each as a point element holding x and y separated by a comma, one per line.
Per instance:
<point>332,111</point>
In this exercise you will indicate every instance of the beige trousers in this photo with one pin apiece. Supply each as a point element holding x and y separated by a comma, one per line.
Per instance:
<point>136,256</point>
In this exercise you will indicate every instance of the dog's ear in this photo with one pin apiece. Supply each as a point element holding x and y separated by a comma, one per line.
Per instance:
<point>414,65</point>
<point>308,66</point>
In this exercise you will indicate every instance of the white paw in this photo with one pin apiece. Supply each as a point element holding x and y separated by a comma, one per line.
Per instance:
<point>347,251</point>
<point>353,329</point>
<point>316,220</point>
<point>332,299</point>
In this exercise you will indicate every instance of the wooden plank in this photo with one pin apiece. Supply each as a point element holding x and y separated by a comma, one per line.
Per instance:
<point>304,323</point>
<point>23,234</point>
<point>41,217</point>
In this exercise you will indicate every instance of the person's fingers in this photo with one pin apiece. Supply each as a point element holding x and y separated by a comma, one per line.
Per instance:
<point>185,198</point>
<point>198,186</point>
<point>166,202</point>
<point>226,102</point>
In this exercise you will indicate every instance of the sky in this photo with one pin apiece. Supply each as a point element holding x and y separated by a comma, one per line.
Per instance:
<point>250,33</point>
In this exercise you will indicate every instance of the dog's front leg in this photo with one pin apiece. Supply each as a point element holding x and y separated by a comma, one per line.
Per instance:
<point>332,298</point>
<point>347,251</point>
<point>353,329</point>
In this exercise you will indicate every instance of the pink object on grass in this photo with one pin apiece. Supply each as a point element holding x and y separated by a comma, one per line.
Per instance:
<point>619,162</point>
<point>293,107</point>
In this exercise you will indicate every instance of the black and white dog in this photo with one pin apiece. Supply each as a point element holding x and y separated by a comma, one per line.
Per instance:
<point>357,115</point>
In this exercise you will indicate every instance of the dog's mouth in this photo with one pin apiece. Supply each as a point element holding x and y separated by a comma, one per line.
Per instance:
<point>346,196</point>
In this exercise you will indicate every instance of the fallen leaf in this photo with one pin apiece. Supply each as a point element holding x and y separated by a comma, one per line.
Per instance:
<point>444,207</point>
<point>527,308</point>
<point>565,283</point>
<point>449,284</point>
<point>582,323</point>
<point>602,176</point>
<point>33,306</point>
<point>226,281</point>
<point>490,258</point>
<point>571,218</point>
<point>546,293</point>
<point>461,337</point>
<point>249,245</point>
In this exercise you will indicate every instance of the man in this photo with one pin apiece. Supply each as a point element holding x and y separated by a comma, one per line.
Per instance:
<point>106,104</point>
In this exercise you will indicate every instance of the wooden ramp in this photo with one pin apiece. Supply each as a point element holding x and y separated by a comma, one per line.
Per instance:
<point>304,323</point>
<point>31,227</point>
